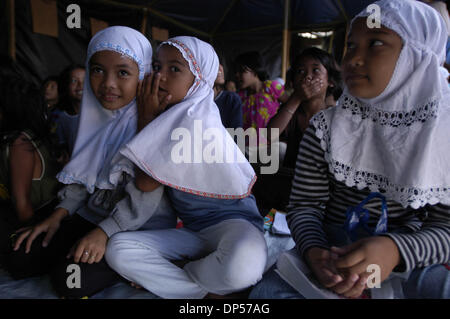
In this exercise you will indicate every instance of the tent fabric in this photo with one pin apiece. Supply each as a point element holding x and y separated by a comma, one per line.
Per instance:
<point>231,26</point>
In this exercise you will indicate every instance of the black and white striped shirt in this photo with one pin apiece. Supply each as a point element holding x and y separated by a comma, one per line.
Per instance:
<point>422,236</point>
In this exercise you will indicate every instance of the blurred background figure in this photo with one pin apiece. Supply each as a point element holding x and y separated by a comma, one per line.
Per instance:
<point>230,86</point>
<point>442,8</point>
<point>70,89</point>
<point>28,168</point>
<point>229,103</point>
<point>260,97</point>
<point>50,91</point>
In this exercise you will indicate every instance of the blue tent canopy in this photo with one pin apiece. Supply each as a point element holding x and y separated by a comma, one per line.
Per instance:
<point>232,26</point>
<point>222,17</point>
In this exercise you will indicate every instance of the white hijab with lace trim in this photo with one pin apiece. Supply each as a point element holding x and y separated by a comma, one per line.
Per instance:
<point>397,143</point>
<point>213,165</point>
<point>102,132</point>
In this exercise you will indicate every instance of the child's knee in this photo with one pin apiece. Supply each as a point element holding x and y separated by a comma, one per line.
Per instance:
<point>247,266</point>
<point>116,249</point>
<point>121,250</point>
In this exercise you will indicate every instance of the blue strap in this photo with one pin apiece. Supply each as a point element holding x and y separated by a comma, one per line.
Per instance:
<point>358,216</point>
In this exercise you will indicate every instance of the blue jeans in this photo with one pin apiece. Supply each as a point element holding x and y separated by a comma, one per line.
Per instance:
<point>432,282</point>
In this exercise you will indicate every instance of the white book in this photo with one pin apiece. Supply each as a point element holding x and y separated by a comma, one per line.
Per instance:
<point>280,225</point>
<point>297,273</point>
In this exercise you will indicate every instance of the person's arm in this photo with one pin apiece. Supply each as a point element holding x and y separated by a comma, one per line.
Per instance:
<point>430,245</point>
<point>149,108</point>
<point>72,197</point>
<point>278,91</point>
<point>395,251</point>
<point>309,195</point>
<point>284,115</point>
<point>284,97</point>
<point>133,211</point>
<point>306,210</point>
<point>302,93</point>
<point>144,182</point>
<point>22,164</point>
<point>130,213</point>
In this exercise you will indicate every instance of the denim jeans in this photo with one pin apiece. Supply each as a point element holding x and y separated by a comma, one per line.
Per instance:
<point>432,282</point>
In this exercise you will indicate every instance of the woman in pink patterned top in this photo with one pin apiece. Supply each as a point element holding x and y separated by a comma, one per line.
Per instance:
<point>261,98</point>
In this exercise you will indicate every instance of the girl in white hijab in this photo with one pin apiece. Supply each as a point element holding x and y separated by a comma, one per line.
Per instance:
<point>388,139</point>
<point>183,145</point>
<point>117,58</point>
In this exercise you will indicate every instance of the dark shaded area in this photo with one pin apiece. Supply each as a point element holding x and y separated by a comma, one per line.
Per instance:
<point>233,27</point>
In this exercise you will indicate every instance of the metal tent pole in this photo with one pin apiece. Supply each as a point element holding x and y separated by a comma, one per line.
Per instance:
<point>286,34</point>
<point>12,29</point>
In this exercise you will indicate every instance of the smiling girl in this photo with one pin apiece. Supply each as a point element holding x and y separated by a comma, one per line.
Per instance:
<point>79,228</point>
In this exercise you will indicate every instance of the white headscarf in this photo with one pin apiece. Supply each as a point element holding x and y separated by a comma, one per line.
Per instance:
<point>397,143</point>
<point>102,132</point>
<point>151,150</point>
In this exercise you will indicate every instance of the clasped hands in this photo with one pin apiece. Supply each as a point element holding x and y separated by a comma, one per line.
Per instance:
<point>344,269</point>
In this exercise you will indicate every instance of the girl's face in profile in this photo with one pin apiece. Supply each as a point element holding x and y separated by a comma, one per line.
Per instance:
<point>370,59</point>
<point>176,76</point>
<point>245,77</point>
<point>114,79</point>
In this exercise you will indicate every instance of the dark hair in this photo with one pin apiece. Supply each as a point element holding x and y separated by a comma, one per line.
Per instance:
<point>22,107</point>
<point>65,100</point>
<point>329,63</point>
<point>253,61</point>
<point>52,78</point>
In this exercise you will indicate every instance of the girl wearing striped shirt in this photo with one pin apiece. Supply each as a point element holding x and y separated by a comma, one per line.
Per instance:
<point>387,137</point>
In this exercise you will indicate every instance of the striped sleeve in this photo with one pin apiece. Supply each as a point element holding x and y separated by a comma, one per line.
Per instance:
<point>309,195</point>
<point>429,245</point>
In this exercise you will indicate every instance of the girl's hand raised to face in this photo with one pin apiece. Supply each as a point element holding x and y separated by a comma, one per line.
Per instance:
<point>150,103</point>
<point>308,89</point>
